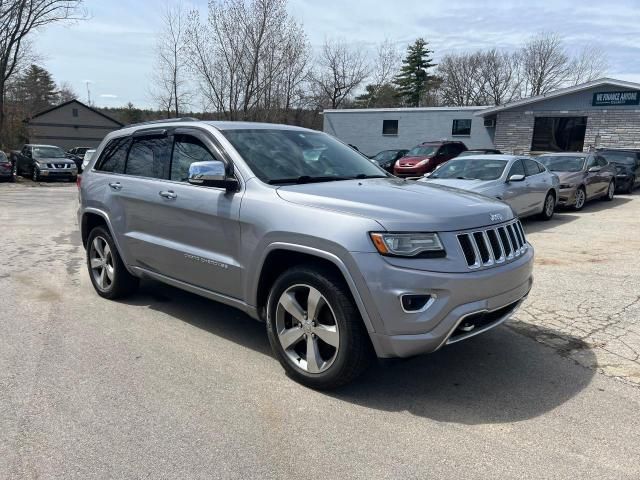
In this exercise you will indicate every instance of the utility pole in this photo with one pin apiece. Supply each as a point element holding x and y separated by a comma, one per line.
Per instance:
<point>88,93</point>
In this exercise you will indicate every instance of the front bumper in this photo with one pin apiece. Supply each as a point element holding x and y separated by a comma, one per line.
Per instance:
<point>623,182</point>
<point>58,173</point>
<point>483,299</point>
<point>567,197</point>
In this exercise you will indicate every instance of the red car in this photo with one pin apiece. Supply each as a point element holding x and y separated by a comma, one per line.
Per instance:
<point>425,157</point>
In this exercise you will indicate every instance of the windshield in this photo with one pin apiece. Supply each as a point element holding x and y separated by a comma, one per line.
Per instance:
<point>422,151</point>
<point>621,158</point>
<point>385,156</point>
<point>294,156</point>
<point>471,169</point>
<point>48,152</point>
<point>562,163</point>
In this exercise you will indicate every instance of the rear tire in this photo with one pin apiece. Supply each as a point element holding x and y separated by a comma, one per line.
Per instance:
<point>334,330</point>
<point>548,207</point>
<point>107,272</point>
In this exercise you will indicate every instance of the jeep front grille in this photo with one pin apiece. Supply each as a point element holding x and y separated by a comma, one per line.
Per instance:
<point>494,245</point>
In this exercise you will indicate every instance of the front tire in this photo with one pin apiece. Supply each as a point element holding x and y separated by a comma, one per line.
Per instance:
<point>35,176</point>
<point>611,191</point>
<point>581,198</point>
<point>548,207</point>
<point>315,329</point>
<point>108,274</point>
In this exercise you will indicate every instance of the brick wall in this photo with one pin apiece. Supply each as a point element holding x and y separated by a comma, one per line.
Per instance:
<point>617,128</point>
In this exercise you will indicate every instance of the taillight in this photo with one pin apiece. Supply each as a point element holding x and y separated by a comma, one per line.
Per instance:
<point>78,181</point>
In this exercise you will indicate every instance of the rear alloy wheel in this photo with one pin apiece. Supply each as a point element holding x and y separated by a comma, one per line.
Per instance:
<point>108,274</point>
<point>315,330</point>
<point>611,190</point>
<point>549,207</point>
<point>581,197</point>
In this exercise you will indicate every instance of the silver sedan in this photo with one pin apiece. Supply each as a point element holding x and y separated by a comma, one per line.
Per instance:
<point>525,184</point>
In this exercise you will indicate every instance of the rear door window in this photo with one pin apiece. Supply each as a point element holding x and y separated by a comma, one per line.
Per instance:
<point>149,157</point>
<point>114,156</point>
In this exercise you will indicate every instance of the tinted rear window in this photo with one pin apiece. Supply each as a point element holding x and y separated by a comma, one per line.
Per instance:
<point>114,156</point>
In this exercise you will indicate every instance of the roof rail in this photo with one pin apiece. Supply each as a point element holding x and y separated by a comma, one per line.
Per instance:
<point>164,120</point>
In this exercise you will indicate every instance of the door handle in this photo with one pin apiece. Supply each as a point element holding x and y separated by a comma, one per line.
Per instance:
<point>115,186</point>
<point>168,194</point>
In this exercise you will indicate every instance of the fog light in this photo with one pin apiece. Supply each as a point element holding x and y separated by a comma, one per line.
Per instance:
<point>416,303</point>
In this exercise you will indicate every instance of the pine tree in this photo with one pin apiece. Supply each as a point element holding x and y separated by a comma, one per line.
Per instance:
<point>414,79</point>
<point>36,89</point>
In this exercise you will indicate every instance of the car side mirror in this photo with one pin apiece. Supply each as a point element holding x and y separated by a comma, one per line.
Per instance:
<point>211,174</point>
<point>516,178</point>
<point>594,169</point>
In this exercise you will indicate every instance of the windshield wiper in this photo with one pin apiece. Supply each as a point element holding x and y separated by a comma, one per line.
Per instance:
<point>362,176</point>
<point>464,178</point>
<point>305,179</point>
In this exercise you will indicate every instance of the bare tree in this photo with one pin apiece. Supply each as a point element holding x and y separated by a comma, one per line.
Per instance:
<point>249,57</point>
<point>66,92</point>
<point>589,64</point>
<point>501,77</point>
<point>340,70</point>
<point>545,64</point>
<point>170,83</point>
<point>18,18</point>
<point>462,82</point>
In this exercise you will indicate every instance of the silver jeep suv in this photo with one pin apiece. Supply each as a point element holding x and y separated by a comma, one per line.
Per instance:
<point>340,259</point>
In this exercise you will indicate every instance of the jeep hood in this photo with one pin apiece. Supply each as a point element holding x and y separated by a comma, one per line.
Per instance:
<point>570,177</point>
<point>400,205</point>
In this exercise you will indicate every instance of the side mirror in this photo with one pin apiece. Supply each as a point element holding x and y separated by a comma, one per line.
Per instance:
<point>594,169</point>
<point>516,178</point>
<point>211,174</point>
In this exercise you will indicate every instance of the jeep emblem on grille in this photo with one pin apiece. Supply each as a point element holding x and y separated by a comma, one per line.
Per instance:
<point>495,217</point>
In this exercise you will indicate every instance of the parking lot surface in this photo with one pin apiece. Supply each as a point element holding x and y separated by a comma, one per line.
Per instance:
<point>170,385</point>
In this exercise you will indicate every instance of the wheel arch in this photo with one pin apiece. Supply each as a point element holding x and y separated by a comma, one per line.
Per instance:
<point>279,257</point>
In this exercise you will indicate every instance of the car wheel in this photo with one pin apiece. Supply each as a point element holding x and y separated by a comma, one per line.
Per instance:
<point>548,207</point>
<point>632,184</point>
<point>611,190</point>
<point>35,176</point>
<point>315,329</point>
<point>581,198</point>
<point>108,274</point>
<point>14,173</point>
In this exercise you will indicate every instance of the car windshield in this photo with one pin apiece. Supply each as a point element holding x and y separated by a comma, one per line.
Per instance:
<point>621,158</point>
<point>422,151</point>
<point>471,169</point>
<point>48,152</point>
<point>385,156</point>
<point>562,163</point>
<point>295,156</point>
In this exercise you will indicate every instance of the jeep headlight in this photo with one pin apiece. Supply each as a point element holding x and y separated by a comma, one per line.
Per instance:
<point>407,244</point>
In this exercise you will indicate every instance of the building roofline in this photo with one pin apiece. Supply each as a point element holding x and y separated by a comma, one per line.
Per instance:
<point>78,102</point>
<point>560,92</point>
<point>401,109</point>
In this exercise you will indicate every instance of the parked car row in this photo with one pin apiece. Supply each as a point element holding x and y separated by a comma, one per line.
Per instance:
<point>42,162</point>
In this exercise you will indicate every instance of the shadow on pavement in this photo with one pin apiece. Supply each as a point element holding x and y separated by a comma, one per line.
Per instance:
<point>498,377</point>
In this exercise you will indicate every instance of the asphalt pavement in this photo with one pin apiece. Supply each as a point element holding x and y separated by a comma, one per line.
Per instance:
<point>170,385</point>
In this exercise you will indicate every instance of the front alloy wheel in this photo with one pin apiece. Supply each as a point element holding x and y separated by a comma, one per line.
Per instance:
<point>315,329</point>
<point>36,174</point>
<point>307,328</point>
<point>611,190</point>
<point>549,207</point>
<point>581,197</point>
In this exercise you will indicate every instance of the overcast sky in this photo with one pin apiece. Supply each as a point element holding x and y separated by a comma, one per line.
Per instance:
<point>114,49</point>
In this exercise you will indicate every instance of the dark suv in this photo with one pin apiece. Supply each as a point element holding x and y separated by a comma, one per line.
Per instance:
<point>627,163</point>
<point>426,157</point>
